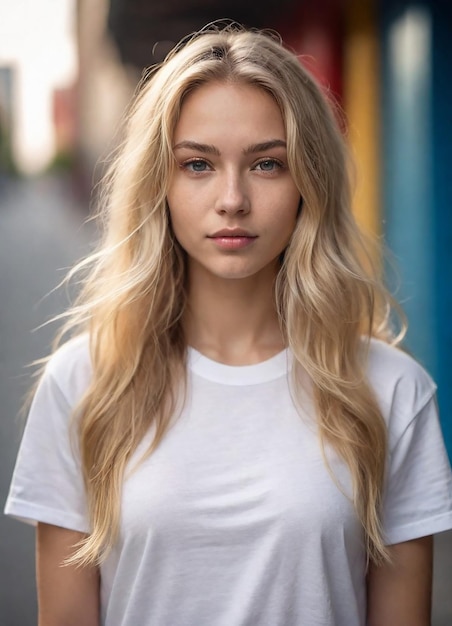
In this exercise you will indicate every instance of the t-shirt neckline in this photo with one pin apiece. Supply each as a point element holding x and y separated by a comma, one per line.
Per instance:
<point>257,373</point>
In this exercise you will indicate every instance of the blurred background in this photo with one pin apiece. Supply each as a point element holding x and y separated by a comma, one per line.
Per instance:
<point>68,69</point>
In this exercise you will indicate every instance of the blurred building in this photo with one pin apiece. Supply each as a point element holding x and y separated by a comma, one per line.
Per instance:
<point>386,63</point>
<point>7,161</point>
<point>64,123</point>
<point>104,87</point>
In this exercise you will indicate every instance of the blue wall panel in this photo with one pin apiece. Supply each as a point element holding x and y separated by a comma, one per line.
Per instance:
<point>442,135</point>
<point>417,174</point>
<point>408,167</point>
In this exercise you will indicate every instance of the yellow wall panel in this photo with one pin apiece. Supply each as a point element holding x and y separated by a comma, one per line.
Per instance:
<point>362,106</point>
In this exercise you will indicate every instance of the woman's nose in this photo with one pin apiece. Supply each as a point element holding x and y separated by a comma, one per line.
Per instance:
<point>233,196</point>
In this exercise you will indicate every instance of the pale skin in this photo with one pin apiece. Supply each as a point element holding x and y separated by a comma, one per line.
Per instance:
<point>67,596</point>
<point>232,174</point>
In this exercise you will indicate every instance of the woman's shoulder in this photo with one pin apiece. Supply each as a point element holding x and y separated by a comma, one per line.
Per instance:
<point>69,367</point>
<point>388,363</point>
<point>402,386</point>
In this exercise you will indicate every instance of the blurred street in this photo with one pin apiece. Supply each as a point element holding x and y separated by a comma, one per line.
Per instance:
<point>41,235</point>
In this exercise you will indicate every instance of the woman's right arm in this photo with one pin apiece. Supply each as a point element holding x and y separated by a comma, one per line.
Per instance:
<point>67,595</point>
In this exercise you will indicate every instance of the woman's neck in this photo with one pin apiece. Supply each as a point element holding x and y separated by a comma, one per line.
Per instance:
<point>233,321</point>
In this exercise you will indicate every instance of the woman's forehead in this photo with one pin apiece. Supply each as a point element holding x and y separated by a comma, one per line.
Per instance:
<point>221,108</point>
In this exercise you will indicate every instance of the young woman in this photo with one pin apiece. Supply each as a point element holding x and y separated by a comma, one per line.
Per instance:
<point>230,438</point>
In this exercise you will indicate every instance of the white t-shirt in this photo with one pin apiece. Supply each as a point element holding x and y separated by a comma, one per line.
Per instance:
<point>235,520</point>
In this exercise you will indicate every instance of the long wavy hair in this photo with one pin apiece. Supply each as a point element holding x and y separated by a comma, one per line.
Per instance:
<point>329,298</point>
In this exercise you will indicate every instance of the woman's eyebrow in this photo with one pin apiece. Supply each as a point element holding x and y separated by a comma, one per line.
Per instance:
<point>197,147</point>
<point>265,145</point>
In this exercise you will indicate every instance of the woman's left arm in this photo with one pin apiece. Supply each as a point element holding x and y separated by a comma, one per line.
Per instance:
<point>399,593</point>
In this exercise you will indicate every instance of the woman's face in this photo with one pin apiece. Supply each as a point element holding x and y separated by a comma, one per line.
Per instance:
<point>232,200</point>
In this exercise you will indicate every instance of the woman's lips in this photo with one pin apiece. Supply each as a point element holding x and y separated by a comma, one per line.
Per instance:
<point>232,239</point>
<point>234,242</point>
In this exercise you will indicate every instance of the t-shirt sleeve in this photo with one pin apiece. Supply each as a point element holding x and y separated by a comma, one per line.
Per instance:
<point>418,495</point>
<point>47,484</point>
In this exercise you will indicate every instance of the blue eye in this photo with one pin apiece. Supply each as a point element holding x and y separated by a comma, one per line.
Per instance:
<point>197,166</point>
<point>268,165</point>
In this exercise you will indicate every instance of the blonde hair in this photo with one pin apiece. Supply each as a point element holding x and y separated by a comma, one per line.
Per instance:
<point>329,299</point>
